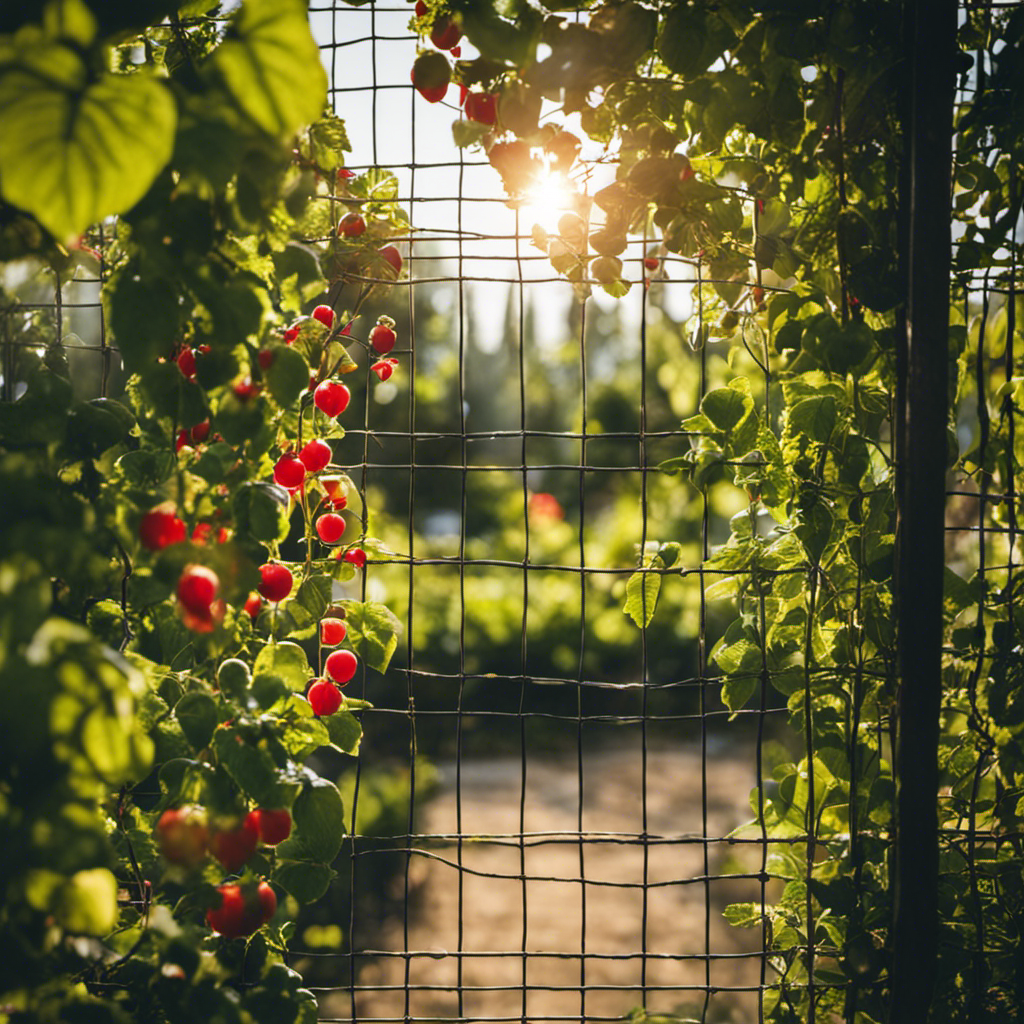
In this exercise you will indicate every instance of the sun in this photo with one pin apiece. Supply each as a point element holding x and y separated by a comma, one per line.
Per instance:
<point>547,200</point>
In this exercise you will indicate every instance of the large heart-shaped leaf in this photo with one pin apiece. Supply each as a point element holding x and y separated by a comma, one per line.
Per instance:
<point>270,64</point>
<point>73,153</point>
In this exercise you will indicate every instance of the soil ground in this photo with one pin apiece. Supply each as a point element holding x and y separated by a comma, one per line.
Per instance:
<point>489,913</point>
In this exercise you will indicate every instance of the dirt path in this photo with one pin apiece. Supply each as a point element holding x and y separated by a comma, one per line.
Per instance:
<point>492,908</point>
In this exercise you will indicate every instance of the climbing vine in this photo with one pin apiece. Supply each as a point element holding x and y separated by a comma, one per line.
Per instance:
<point>180,567</point>
<point>757,150</point>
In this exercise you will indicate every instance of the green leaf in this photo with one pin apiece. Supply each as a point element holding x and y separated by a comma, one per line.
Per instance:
<point>737,690</point>
<point>250,766</point>
<point>197,715</point>
<point>682,43</point>
<point>305,733</point>
<point>287,661</point>
<point>270,64</point>
<point>146,467</point>
<point>306,882</point>
<point>105,743</point>
<point>814,418</point>
<point>143,315</point>
<point>328,139</point>
<point>373,632</point>
<point>261,510</point>
<point>744,915</point>
<point>345,731</point>
<point>468,133</point>
<point>726,407</point>
<point>319,819</point>
<point>169,394</point>
<point>314,594</point>
<point>73,153</point>
<point>288,376</point>
<point>87,902</point>
<point>642,593</point>
<point>268,690</point>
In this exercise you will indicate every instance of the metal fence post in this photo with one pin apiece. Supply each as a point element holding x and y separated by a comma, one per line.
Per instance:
<point>931,76</point>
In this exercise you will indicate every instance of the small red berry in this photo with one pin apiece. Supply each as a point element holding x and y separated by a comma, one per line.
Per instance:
<point>200,432</point>
<point>393,256</point>
<point>187,363</point>
<point>204,622</point>
<point>265,357</point>
<point>276,581</point>
<point>383,338</point>
<point>332,632</point>
<point>652,262</point>
<point>445,33</point>
<point>330,527</point>
<point>431,74</point>
<point>324,697</point>
<point>456,51</point>
<point>159,528</point>
<point>333,487</point>
<point>344,172</point>
<point>197,589</point>
<point>290,335</point>
<point>274,826</point>
<point>242,912</point>
<point>252,606</point>
<point>421,9</point>
<point>331,397</point>
<point>182,441</point>
<point>182,835</point>
<point>351,225</point>
<point>289,471</point>
<point>357,556</point>
<point>325,315</point>
<point>267,899</point>
<point>244,389</point>
<point>315,455</point>
<point>384,368</point>
<point>235,846</point>
<point>228,917</point>
<point>482,107</point>
<point>341,666</point>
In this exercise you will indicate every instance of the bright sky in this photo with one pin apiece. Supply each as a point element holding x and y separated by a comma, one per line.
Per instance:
<point>394,127</point>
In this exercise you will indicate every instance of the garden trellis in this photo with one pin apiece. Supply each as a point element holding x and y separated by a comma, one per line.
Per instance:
<point>644,543</point>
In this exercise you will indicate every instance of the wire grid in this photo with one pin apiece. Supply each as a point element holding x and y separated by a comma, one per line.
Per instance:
<point>473,852</point>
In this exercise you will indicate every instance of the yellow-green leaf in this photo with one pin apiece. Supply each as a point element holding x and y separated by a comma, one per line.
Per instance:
<point>87,903</point>
<point>270,64</point>
<point>72,154</point>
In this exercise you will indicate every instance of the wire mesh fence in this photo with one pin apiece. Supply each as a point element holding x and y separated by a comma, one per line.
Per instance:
<point>573,854</point>
<point>549,815</point>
